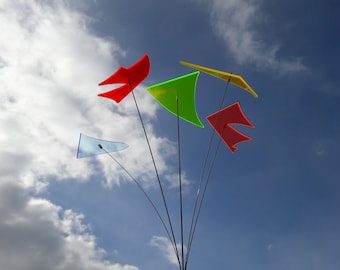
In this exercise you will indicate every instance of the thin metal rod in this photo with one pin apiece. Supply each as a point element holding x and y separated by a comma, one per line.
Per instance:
<point>196,212</point>
<point>180,181</point>
<point>144,192</point>
<point>158,179</point>
<point>201,203</point>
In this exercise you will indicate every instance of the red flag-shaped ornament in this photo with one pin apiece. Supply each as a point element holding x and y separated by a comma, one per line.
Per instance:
<point>130,77</point>
<point>222,120</point>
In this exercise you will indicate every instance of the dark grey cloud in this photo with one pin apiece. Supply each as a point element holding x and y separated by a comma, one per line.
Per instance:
<point>35,234</point>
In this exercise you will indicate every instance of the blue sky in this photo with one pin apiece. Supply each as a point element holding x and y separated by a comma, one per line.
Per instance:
<point>273,204</point>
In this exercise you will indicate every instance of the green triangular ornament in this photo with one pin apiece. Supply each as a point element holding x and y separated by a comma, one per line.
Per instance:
<point>178,97</point>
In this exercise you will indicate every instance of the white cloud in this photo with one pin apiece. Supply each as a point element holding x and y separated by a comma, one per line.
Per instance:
<point>234,22</point>
<point>50,65</point>
<point>37,235</point>
<point>166,248</point>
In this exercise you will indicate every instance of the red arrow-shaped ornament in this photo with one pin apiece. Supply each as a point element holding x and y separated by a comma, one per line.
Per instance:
<point>130,77</point>
<point>222,120</point>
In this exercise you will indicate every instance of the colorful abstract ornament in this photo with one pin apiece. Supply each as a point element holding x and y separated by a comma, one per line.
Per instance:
<point>234,79</point>
<point>130,77</point>
<point>222,120</point>
<point>89,146</point>
<point>178,97</point>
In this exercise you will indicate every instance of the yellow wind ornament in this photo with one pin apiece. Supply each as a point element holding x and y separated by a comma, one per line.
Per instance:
<point>234,79</point>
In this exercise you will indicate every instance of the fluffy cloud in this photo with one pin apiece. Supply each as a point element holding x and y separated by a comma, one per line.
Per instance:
<point>166,248</point>
<point>234,22</point>
<point>50,65</point>
<point>35,234</point>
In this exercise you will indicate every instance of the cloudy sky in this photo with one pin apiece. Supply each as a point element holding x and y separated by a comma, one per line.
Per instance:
<point>273,204</point>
